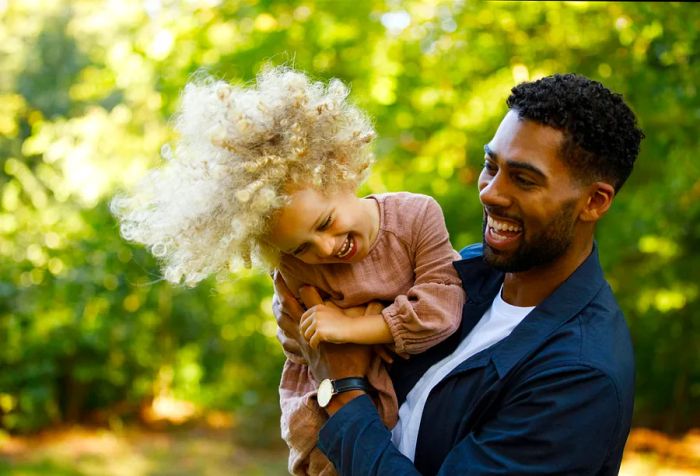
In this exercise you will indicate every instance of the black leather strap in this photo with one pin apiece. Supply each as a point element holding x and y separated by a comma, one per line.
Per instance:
<point>351,383</point>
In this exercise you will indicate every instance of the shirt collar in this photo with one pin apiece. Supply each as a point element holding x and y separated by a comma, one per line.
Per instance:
<point>481,283</point>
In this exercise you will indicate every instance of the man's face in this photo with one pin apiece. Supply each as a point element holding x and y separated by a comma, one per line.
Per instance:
<point>531,201</point>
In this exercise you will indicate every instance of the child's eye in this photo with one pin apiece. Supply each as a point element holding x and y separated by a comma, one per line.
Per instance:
<point>326,223</point>
<point>300,250</point>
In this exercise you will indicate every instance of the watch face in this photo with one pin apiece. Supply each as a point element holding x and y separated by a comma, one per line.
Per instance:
<point>325,392</point>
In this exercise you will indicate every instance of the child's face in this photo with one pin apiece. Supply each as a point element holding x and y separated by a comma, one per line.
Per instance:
<point>322,228</point>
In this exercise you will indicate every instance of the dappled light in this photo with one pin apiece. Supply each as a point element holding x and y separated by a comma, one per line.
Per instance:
<point>105,366</point>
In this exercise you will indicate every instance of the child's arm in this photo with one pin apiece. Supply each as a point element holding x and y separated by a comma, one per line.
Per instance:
<point>428,313</point>
<point>328,323</point>
<point>431,310</point>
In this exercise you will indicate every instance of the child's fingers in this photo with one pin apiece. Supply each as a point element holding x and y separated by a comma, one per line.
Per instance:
<point>315,340</point>
<point>309,332</point>
<point>306,315</point>
<point>305,323</point>
<point>309,315</point>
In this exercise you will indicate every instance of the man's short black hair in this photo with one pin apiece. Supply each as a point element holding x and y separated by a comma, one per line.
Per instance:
<point>601,137</point>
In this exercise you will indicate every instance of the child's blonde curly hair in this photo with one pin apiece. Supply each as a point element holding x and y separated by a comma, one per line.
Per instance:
<point>240,152</point>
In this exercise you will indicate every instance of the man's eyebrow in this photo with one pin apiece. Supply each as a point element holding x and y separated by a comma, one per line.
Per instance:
<point>515,164</point>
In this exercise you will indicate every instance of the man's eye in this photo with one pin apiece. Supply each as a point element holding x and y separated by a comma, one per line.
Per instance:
<point>524,181</point>
<point>489,166</point>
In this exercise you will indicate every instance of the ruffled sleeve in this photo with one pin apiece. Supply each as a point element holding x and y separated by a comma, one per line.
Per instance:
<point>431,309</point>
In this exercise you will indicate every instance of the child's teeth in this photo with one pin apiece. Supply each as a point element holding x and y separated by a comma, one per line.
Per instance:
<point>347,246</point>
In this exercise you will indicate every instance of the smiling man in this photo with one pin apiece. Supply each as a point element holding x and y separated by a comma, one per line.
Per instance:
<point>539,210</point>
<point>539,377</point>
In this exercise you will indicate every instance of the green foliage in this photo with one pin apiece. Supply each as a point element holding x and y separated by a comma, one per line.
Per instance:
<point>86,88</point>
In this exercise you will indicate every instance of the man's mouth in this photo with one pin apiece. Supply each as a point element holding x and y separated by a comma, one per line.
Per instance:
<point>501,233</point>
<point>348,249</point>
<point>502,226</point>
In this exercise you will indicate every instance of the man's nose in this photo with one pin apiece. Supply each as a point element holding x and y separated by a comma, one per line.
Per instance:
<point>494,192</point>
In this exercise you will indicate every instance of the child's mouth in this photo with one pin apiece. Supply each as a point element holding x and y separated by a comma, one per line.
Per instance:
<point>348,249</point>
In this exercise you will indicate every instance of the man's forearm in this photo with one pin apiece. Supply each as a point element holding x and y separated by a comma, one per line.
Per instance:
<point>358,443</point>
<point>340,400</point>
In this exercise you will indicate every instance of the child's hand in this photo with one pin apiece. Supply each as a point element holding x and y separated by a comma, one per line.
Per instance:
<point>324,323</point>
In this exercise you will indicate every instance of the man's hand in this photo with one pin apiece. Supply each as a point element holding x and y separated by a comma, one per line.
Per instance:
<point>287,312</point>
<point>328,360</point>
<point>325,323</point>
<point>333,361</point>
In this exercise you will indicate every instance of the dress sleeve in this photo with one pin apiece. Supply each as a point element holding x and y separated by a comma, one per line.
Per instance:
<point>561,421</point>
<point>431,310</point>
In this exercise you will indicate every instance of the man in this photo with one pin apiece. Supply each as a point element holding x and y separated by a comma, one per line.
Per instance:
<point>539,377</point>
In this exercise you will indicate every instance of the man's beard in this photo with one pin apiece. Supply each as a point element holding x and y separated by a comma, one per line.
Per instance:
<point>539,250</point>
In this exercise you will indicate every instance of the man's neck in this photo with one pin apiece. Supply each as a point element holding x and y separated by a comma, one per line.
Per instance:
<point>531,287</point>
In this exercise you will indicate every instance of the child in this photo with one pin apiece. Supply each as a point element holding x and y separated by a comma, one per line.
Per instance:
<point>267,175</point>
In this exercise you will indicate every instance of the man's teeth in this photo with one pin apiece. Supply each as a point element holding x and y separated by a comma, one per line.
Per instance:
<point>501,226</point>
<point>347,247</point>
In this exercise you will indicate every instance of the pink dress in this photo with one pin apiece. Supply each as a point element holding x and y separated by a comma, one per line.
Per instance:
<point>409,267</point>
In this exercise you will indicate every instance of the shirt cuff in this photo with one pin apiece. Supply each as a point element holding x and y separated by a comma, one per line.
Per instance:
<point>352,417</point>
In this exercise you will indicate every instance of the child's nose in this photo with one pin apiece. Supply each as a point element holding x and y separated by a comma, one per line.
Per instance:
<point>325,245</point>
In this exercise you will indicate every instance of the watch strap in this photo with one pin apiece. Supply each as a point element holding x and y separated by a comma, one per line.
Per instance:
<point>351,383</point>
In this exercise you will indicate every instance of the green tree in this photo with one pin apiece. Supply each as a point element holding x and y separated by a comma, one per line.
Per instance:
<point>87,326</point>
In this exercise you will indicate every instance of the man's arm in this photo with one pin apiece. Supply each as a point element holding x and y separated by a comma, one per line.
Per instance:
<point>561,421</point>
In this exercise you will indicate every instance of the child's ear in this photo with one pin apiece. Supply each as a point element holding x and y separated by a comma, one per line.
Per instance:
<point>600,198</point>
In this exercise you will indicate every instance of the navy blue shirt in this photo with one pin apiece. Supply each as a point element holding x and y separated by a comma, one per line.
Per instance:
<point>554,397</point>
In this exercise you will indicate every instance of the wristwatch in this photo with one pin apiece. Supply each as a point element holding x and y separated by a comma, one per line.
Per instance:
<point>328,388</point>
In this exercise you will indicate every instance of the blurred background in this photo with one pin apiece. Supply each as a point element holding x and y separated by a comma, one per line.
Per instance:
<point>106,369</point>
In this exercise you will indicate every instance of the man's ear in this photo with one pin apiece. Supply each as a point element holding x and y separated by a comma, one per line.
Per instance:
<point>600,198</point>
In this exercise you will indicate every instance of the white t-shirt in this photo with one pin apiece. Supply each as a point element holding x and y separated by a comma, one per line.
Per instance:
<point>496,324</point>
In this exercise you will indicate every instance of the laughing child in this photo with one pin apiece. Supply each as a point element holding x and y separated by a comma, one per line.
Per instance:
<point>266,176</point>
